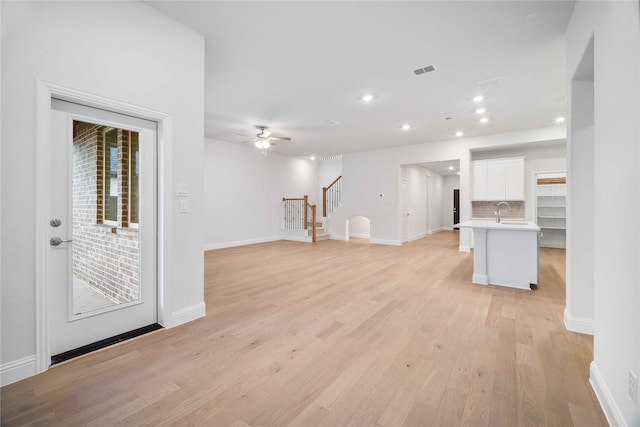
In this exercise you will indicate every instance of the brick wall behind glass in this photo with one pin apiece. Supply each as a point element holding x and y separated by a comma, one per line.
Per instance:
<point>103,260</point>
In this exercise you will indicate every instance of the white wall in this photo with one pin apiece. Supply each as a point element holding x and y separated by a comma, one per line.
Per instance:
<point>121,50</point>
<point>449,183</point>
<point>359,226</point>
<point>243,192</point>
<point>368,173</point>
<point>615,28</point>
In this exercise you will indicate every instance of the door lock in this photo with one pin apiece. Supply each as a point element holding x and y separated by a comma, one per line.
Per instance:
<point>56,241</point>
<point>55,222</point>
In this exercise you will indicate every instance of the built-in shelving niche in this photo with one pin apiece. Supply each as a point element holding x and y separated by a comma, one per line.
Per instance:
<point>551,209</point>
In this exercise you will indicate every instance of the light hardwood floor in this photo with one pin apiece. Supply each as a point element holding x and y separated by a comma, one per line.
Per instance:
<point>337,333</point>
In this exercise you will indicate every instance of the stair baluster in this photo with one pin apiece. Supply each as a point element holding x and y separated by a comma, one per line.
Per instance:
<point>332,196</point>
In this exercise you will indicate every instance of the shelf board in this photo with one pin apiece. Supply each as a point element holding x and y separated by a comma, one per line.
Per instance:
<point>549,216</point>
<point>552,206</point>
<point>552,228</point>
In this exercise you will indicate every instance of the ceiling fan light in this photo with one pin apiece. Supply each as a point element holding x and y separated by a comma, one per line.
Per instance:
<point>262,144</point>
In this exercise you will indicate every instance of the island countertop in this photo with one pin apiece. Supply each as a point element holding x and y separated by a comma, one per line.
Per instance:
<point>489,224</point>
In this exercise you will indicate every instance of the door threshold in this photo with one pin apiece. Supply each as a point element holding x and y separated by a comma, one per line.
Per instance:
<point>63,357</point>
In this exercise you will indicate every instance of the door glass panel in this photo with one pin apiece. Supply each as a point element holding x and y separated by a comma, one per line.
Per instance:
<point>106,236</point>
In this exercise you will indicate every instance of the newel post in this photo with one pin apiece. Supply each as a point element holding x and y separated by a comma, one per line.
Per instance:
<point>313,218</point>
<point>306,215</point>
<point>324,202</point>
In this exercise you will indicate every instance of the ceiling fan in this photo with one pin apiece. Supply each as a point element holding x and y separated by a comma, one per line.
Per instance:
<point>264,139</point>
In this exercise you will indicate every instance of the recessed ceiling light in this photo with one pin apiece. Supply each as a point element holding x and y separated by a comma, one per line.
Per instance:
<point>367,98</point>
<point>478,98</point>
<point>458,172</point>
<point>484,120</point>
<point>406,126</point>
<point>480,111</point>
<point>559,119</point>
<point>459,133</point>
<point>312,158</point>
<point>451,168</point>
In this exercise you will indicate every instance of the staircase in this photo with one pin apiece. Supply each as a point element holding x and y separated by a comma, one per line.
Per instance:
<point>300,222</point>
<point>321,231</point>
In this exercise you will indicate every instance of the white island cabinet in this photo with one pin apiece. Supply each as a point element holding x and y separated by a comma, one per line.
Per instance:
<point>505,253</point>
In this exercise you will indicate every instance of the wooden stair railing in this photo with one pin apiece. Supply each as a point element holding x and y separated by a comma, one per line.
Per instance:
<point>331,196</point>
<point>312,208</point>
<point>299,214</point>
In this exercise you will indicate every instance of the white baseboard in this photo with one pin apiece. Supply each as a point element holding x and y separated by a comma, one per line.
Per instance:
<point>338,237</point>
<point>360,235</point>
<point>437,230</point>
<point>480,279</point>
<point>306,239</point>
<point>577,324</point>
<point>447,228</point>
<point>386,242</point>
<point>17,370</point>
<point>212,246</point>
<point>609,407</point>
<point>462,248</point>
<point>185,315</point>
<point>417,236</point>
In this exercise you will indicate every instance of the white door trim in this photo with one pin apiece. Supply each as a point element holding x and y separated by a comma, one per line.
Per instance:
<point>44,92</point>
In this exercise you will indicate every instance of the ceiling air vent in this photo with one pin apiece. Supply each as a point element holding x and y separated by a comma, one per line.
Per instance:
<point>423,70</point>
<point>493,81</point>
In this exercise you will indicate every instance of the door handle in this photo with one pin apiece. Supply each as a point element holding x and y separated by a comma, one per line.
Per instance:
<point>56,241</point>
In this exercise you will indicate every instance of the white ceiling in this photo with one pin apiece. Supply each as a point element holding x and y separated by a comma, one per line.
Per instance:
<point>443,168</point>
<point>293,66</point>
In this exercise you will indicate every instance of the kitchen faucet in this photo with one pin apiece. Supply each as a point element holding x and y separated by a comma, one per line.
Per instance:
<point>498,210</point>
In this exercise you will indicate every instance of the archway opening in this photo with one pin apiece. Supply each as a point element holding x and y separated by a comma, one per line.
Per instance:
<point>358,229</point>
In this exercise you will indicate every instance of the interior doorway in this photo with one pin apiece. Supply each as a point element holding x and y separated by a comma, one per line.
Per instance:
<point>456,208</point>
<point>404,210</point>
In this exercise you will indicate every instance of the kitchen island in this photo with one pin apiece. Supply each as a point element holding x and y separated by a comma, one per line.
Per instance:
<point>504,253</point>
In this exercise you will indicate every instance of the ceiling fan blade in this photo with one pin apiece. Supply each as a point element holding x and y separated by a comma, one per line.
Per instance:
<point>280,138</point>
<point>248,140</point>
<point>242,134</point>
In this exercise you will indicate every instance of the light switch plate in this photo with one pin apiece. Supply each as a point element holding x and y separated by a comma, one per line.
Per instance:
<point>182,190</point>
<point>184,206</point>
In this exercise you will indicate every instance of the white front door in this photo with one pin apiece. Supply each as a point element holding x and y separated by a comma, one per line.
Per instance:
<point>404,210</point>
<point>102,256</point>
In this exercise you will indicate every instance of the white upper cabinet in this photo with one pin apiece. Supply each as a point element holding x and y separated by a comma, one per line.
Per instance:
<point>479,183</point>
<point>498,179</point>
<point>514,179</point>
